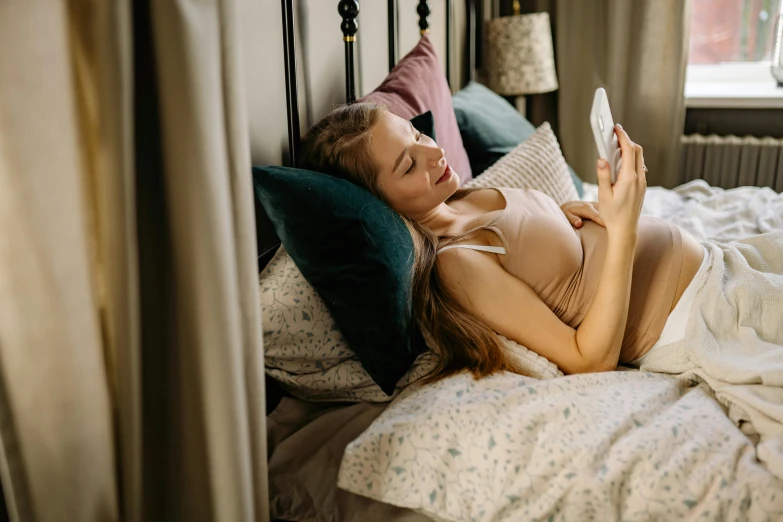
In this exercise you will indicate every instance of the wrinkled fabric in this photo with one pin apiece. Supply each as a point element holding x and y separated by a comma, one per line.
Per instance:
<point>734,339</point>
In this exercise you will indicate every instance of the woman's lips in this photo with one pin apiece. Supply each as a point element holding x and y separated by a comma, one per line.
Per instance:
<point>446,174</point>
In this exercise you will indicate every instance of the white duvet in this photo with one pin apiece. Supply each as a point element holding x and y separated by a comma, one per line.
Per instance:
<point>610,446</point>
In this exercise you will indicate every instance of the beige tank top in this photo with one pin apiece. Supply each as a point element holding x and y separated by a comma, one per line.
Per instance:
<point>563,265</point>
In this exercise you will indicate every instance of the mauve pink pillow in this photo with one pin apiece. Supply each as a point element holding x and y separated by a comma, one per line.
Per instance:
<point>416,85</point>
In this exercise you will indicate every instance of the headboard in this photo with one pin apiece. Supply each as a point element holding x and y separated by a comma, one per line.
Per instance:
<point>350,13</point>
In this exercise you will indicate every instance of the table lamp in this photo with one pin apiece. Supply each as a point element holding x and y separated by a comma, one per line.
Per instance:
<point>520,59</point>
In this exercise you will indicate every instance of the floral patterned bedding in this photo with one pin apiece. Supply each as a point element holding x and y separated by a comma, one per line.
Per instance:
<point>604,447</point>
<point>609,446</point>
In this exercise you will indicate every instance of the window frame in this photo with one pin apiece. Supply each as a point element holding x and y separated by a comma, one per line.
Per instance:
<point>748,85</point>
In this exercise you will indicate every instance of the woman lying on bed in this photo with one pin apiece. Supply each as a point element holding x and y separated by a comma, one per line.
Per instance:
<point>585,295</point>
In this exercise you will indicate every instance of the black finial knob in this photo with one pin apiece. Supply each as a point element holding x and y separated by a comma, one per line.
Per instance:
<point>424,16</point>
<point>349,10</point>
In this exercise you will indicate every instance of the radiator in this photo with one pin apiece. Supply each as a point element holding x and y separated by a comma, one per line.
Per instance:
<point>731,161</point>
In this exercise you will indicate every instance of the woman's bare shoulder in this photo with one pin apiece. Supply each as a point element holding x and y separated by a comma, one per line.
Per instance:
<point>483,199</point>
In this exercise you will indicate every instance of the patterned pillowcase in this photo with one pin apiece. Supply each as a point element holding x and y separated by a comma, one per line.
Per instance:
<point>306,353</point>
<point>536,163</point>
<point>510,448</point>
<point>303,348</point>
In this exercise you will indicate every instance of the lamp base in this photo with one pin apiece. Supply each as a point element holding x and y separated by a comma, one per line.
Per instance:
<point>521,104</point>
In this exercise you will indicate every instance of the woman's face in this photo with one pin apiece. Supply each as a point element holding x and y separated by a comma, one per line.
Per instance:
<point>413,174</point>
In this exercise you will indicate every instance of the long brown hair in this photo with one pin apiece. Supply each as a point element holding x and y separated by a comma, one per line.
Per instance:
<point>339,145</point>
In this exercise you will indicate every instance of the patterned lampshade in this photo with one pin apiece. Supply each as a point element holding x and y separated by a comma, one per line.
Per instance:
<point>519,58</point>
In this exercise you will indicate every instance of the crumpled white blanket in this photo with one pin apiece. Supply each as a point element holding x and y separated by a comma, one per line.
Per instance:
<point>734,359</point>
<point>734,339</point>
<point>712,212</point>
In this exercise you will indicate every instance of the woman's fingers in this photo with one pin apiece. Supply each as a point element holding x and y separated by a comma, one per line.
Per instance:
<point>599,219</point>
<point>576,215</point>
<point>624,140</point>
<point>604,177</point>
<point>588,212</point>
<point>572,218</point>
<point>627,148</point>
<point>640,164</point>
<point>595,216</point>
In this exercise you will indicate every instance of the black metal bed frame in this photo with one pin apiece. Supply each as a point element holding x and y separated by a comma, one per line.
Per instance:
<point>267,240</point>
<point>349,11</point>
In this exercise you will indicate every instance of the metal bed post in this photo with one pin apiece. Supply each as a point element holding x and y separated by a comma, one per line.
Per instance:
<point>291,94</point>
<point>449,17</point>
<point>391,18</point>
<point>471,40</point>
<point>349,10</point>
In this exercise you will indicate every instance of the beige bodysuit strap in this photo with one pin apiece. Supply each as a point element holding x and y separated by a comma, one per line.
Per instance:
<point>489,226</point>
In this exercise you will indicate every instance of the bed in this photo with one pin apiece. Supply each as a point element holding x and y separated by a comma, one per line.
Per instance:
<point>623,445</point>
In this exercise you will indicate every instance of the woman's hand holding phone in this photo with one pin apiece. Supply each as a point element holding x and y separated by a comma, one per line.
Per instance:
<point>621,203</point>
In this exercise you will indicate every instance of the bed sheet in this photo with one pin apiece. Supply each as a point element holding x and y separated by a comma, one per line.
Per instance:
<point>683,424</point>
<point>609,446</point>
<point>603,447</point>
<point>306,442</point>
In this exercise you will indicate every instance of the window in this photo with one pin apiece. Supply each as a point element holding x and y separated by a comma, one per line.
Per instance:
<point>732,30</point>
<point>729,54</point>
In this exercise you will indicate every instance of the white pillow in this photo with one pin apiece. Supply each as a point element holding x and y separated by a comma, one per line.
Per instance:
<point>539,366</point>
<point>303,348</point>
<point>536,163</point>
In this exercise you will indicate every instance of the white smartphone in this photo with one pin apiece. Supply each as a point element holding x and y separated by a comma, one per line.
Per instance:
<point>603,130</point>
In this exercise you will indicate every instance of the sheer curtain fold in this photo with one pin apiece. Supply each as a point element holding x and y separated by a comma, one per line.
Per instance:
<point>101,47</point>
<point>58,452</point>
<point>131,363</point>
<point>206,158</point>
<point>637,51</point>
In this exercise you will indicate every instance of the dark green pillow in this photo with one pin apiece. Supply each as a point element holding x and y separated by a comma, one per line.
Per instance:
<point>490,127</point>
<point>357,253</point>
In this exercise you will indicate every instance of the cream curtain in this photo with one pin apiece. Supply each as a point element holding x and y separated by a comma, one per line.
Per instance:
<point>131,364</point>
<point>57,459</point>
<point>637,51</point>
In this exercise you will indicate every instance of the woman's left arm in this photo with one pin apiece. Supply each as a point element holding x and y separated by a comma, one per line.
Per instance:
<point>576,211</point>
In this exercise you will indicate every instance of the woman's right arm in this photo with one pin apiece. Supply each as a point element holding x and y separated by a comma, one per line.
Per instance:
<point>600,335</point>
<point>510,307</point>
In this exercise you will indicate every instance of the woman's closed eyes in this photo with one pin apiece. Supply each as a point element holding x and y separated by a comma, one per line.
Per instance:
<point>413,161</point>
